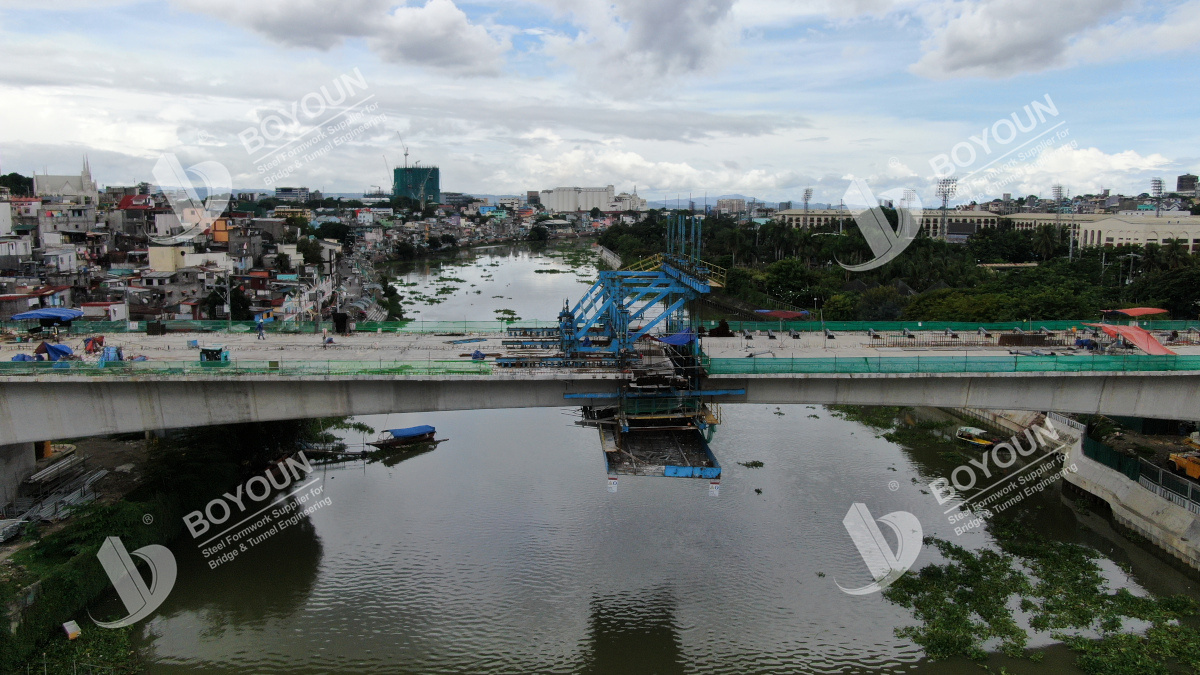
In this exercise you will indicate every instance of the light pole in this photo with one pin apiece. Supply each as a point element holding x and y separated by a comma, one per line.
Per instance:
<point>946,188</point>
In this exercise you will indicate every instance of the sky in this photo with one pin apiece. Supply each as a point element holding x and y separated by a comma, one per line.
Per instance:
<point>675,98</point>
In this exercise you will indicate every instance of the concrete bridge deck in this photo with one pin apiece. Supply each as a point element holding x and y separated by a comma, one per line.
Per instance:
<point>370,373</point>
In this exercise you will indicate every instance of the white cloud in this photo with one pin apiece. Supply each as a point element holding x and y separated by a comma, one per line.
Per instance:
<point>440,35</point>
<point>297,23</point>
<point>1003,38</point>
<point>605,165</point>
<point>1177,30</point>
<point>1079,170</point>
<point>437,34</point>
<point>630,43</point>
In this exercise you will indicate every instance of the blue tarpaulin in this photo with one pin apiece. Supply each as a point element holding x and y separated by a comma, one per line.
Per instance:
<point>53,352</point>
<point>22,357</point>
<point>51,313</point>
<point>412,431</point>
<point>679,339</point>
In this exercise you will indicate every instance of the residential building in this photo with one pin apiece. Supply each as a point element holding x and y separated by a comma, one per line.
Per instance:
<point>292,194</point>
<point>731,206</point>
<point>571,199</point>
<point>285,211</point>
<point>6,218</point>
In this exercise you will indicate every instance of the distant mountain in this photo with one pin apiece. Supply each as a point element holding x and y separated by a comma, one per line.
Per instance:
<point>712,201</point>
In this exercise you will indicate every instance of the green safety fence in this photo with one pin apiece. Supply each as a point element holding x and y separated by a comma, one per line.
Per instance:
<point>238,367</point>
<point>410,326</point>
<point>950,364</point>
<point>715,366</point>
<point>420,326</point>
<point>916,326</point>
<point>1130,466</point>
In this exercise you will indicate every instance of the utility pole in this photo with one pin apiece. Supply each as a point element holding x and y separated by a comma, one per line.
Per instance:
<point>229,301</point>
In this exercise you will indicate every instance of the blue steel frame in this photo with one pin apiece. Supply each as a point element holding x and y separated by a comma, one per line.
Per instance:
<point>622,297</point>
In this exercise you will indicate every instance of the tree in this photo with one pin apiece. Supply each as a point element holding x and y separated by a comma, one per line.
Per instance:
<point>434,243</point>
<point>283,262</point>
<point>336,231</point>
<point>539,233</point>
<point>20,185</point>
<point>595,212</point>
<point>404,250</point>
<point>311,251</point>
<point>214,305</point>
<point>449,240</point>
<point>1175,254</point>
<point>1045,241</point>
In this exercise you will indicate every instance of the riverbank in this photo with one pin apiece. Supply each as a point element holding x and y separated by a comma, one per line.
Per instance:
<point>1026,587</point>
<point>54,576</point>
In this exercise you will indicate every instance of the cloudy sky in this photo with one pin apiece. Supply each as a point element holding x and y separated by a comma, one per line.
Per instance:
<point>675,97</point>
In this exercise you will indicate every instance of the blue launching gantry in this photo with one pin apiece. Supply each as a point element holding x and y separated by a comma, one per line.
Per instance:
<point>617,310</point>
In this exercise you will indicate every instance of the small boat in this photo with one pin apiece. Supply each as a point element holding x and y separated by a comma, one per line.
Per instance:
<point>973,436</point>
<point>394,438</point>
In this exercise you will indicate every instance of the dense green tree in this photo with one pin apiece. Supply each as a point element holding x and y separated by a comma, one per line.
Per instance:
<point>214,305</point>
<point>337,231</point>
<point>21,186</point>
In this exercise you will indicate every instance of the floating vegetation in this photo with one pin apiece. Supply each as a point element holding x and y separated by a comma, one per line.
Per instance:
<point>497,297</point>
<point>752,464</point>
<point>966,602</point>
<point>551,271</point>
<point>758,491</point>
<point>446,290</point>
<point>450,280</point>
<point>880,417</point>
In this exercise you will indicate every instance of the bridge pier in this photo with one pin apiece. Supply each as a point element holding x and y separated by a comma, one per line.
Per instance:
<point>17,462</point>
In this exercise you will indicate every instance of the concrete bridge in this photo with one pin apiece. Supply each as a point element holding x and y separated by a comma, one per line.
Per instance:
<point>53,406</point>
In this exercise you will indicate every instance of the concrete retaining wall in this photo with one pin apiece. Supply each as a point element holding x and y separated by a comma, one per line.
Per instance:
<point>611,259</point>
<point>1172,528</point>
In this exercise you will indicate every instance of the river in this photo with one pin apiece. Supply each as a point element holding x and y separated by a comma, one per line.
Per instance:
<point>506,551</point>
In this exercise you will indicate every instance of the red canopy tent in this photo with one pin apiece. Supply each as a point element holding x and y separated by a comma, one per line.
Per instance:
<point>1139,337</point>
<point>1135,311</point>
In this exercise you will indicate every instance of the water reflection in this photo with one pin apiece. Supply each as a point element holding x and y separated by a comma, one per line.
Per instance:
<point>633,633</point>
<point>269,581</point>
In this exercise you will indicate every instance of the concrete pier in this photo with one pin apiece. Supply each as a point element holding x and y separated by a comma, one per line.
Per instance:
<point>17,462</point>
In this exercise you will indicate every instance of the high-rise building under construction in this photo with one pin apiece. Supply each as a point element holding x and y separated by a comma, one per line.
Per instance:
<point>418,183</point>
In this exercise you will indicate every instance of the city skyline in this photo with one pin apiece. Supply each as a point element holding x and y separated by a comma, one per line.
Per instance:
<point>757,97</point>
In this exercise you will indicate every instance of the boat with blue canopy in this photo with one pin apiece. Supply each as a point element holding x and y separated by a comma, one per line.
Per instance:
<point>393,438</point>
